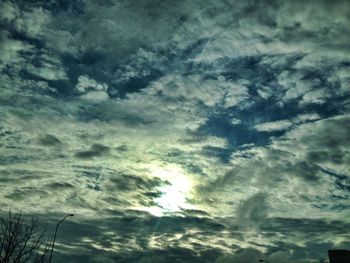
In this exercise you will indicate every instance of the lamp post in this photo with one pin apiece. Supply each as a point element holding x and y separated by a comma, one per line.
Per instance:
<point>54,237</point>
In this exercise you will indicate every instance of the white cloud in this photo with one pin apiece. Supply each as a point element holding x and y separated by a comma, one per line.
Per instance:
<point>306,117</point>
<point>76,153</point>
<point>32,21</point>
<point>343,76</point>
<point>91,90</point>
<point>274,126</point>
<point>288,172</point>
<point>253,211</point>
<point>209,92</point>
<point>10,49</point>
<point>265,92</point>
<point>48,71</point>
<point>95,96</point>
<point>318,96</point>
<point>85,83</point>
<point>295,85</point>
<point>9,11</point>
<point>236,121</point>
<point>235,94</point>
<point>323,142</point>
<point>282,125</point>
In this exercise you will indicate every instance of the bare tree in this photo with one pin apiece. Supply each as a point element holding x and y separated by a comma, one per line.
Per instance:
<point>22,240</point>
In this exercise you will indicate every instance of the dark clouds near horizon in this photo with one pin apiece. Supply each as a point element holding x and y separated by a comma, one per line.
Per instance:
<point>187,131</point>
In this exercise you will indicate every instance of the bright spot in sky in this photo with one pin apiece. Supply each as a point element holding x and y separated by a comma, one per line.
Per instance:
<point>174,195</point>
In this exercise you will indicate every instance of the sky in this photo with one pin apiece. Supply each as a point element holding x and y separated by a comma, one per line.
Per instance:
<point>178,131</point>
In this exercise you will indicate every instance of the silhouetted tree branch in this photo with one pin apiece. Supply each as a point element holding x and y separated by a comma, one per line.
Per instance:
<point>22,241</point>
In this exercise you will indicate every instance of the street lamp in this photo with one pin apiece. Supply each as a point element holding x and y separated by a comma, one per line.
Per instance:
<point>54,237</point>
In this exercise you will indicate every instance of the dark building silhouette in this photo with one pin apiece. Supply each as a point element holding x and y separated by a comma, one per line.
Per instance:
<point>339,256</point>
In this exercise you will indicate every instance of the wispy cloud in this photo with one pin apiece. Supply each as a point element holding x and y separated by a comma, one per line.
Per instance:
<point>197,131</point>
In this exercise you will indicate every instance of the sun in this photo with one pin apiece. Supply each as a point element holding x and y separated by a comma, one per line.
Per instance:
<point>174,195</point>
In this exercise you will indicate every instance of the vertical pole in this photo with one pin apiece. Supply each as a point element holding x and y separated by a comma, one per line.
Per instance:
<point>54,237</point>
<point>54,240</point>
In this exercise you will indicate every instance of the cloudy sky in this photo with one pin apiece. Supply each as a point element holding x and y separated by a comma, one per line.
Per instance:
<point>179,131</point>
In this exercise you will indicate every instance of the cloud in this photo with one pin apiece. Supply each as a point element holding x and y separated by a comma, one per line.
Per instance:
<point>96,150</point>
<point>10,49</point>
<point>85,83</point>
<point>282,125</point>
<point>49,69</point>
<point>324,148</point>
<point>274,126</point>
<point>246,256</point>
<point>49,140</point>
<point>91,90</point>
<point>249,255</point>
<point>253,211</point>
<point>9,11</point>
<point>289,169</point>
<point>30,21</point>
<point>306,117</point>
<point>108,107</point>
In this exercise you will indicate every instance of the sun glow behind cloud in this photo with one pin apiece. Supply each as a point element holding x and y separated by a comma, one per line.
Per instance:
<point>175,194</point>
<point>190,130</point>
